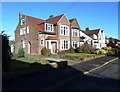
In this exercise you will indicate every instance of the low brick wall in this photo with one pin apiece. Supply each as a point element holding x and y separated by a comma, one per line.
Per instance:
<point>84,58</point>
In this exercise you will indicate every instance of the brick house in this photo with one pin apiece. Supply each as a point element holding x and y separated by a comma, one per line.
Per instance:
<point>56,33</point>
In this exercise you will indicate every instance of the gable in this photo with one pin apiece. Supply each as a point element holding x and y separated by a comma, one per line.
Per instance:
<point>64,20</point>
<point>75,24</point>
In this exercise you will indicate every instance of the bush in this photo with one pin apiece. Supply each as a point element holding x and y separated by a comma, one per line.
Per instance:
<point>79,50</point>
<point>101,51</point>
<point>109,49</point>
<point>72,50</point>
<point>21,52</point>
<point>87,48</point>
<point>6,52</point>
<point>45,52</point>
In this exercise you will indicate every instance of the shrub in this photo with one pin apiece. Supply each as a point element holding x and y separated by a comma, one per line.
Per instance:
<point>87,48</point>
<point>21,52</point>
<point>79,50</point>
<point>101,51</point>
<point>72,50</point>
<point>45,51</point>
<point>109,49</point>
<point>6,52</point>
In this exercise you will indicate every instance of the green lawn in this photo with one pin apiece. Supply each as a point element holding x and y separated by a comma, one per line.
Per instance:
<point>26,60</point>
<point>17,63</point>
<point>32,60</point>
<point>78,54</point>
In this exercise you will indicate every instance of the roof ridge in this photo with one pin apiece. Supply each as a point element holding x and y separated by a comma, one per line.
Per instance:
<point>34,17</point>
<point>55,16</point>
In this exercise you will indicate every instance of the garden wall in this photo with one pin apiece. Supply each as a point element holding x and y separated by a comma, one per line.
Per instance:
<point>84,58</point>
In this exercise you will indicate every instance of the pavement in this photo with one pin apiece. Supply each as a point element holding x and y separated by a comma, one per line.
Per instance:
<point>53,79</point>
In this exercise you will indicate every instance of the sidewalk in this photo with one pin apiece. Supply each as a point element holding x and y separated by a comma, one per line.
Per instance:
<point>52,79</point>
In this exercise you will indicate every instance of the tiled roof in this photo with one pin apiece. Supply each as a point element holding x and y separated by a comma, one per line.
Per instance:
<point>54,19</point>
<point>91,32</point>
<point>71,20</point>
<point>51,37</point>
<point>35,21</point>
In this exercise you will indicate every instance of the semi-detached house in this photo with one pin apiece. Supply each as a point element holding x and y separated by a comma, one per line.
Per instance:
<point>56,33</point>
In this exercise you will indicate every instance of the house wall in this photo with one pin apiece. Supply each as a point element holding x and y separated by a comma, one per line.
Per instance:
<point>32,37</point>
<point>74,24</point>
<point>63,21</point>
<point>87,38</point>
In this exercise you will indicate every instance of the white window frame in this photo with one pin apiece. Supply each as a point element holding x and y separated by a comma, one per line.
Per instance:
<point>49,25</point>
<point>22,31</point>
<point>73,32</point>
<point>28,29</point>
<point>41,43</point>
<point>64,44</point>
<point>65,32</point>
<point>22,21</point>
<point>24,44</point>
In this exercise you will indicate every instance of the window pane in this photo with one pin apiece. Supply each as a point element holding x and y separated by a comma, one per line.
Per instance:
<point>64,30</point>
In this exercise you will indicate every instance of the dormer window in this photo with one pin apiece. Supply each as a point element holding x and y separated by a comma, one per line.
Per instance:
<point>22,21</point>
<point>48,27</point>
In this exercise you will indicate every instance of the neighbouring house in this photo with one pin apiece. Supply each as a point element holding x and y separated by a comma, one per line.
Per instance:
<point>12,45</point>
<point>113,40</point>
<point>84,38</point>
<point>56,33</point>
<point>98,37</point>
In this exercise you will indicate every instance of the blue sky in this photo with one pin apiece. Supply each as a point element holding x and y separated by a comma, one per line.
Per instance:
<point>103,15</point>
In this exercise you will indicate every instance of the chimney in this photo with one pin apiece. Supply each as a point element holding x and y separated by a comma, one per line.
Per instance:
<point>51,16</point>
<point>87,29</point>
<point>20,16</point>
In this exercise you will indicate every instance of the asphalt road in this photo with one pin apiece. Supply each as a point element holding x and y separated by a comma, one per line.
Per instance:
<point>105,79</point>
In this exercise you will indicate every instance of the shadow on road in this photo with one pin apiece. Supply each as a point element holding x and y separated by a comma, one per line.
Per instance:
<point>61,79</point>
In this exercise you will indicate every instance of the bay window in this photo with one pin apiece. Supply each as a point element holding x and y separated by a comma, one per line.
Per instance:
<point>64,44</point>
<point>75,32</point>
<point>75,44</point>
<point>64,30</point>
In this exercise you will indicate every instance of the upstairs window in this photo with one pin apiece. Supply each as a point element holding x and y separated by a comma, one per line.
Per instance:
<point>28,29</point>
<point>22,21</point>
<point>49,27</point>
<point>75,32</point>
<point>64,30</point>
<point>22,31</point>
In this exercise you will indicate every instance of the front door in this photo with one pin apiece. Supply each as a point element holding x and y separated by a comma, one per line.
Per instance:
<point>54,47</point>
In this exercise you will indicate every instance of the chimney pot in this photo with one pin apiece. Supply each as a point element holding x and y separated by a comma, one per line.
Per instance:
<point>87,29</point>
<point>51,16</point>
